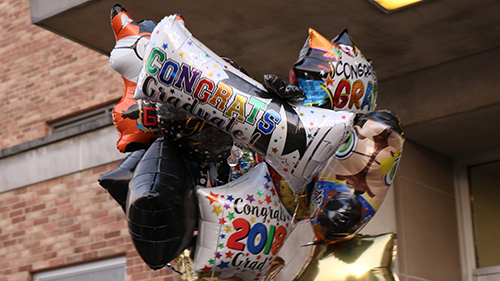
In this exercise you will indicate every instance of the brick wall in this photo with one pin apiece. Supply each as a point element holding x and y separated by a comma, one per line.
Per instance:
<point>44,76</point>
<point>65,221</point>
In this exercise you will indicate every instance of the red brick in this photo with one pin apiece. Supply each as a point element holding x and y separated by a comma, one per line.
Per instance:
<point>98,245</point>
<point>41,221</point>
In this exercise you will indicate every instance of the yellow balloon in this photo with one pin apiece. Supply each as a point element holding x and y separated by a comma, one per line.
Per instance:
<point>363,258</point>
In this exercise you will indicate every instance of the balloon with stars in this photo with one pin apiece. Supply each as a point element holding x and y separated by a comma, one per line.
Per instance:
<point>242,226</point>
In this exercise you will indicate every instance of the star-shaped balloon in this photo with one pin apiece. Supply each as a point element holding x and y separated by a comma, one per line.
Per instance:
<point>363,258</point>
<point>242,227</point>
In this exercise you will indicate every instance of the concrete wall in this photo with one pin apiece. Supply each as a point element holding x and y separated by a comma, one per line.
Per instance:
<point>428,247</point>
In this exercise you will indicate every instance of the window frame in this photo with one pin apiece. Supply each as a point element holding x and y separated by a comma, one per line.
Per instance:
<point>469,269</point>
<point>68,271</point>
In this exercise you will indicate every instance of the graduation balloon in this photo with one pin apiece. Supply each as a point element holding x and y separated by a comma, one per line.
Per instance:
<point>116,181</point>
<point>161,205</point>
<point>295,139</point>
<point>363,258</point>
<point>242,227</point>
<point>335,74</point>
<point>134,120</point>
<point>353,184</point>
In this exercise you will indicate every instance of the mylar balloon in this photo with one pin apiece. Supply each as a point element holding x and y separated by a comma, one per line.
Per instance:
<point>116,181</point>
<point>242,227</point>
<point>196,140</point>
<point>295,139</point>
<point>161,205</point>
<point>335,74</point>
<point>353,184</point>
<point>363,258</point>
<point>135,121</point>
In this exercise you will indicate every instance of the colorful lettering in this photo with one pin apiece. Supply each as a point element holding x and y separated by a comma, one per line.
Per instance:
<point>356,94</point>
<point>157,56</point>
<point>237,108</point>
<point>220,97</point>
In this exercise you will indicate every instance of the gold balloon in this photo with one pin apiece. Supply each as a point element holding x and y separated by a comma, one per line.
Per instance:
<point>277,265</point>
<point>363,258</point>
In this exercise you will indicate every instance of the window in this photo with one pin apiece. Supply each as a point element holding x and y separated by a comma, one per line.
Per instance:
<point>104,270</point>
<point>478,189</point>
<point>88,120</point>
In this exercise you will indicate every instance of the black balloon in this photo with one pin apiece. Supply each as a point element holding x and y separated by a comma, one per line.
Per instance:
<point>161,206</point>
<point>116,181</point>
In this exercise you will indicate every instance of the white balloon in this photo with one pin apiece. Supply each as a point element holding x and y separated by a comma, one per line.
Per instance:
<point>293,138</point>
<point>242,226</point>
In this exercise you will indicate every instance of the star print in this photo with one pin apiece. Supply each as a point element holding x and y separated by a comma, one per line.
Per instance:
<point>343,117</point>
<point>223,264</point>
<point>228,229</point>
<point>309,136</point>
<point>268,177</point>
<point>217,210</point>
<point>221,245</point>
<point>218,255</point>
<point>212,197</point>
<point>157,32</point>
<point>268,199</point>
<point>266,186</point>
<point>252,219</point>
<point>230,198</point>
<point>190,43</point>
<point>227,205</point>
<point>260,192</point>
<point>230,216</point>
<point>275,150</point>
<point>229,255</point>
<point>210,74</point>
<point>172,91</point>
<point>258,257</point>
<point>181,54</point>
<point>222,221</point>
<point>211,261</point>
<point>165,46</point>
<point>223,236</point>
<point>218,75</point>
<point>139,126</point>
<point>329,81</point>
<point>206,268</point>
<point>174,37</point>
<point>260,202</point>
<point>276,204</point>
<point>250,198</point>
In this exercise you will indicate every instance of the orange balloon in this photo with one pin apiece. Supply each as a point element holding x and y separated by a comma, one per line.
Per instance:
<point>135,121</point>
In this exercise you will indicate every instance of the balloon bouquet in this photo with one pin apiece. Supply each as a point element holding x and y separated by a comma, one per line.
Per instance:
<point>220,159</point>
